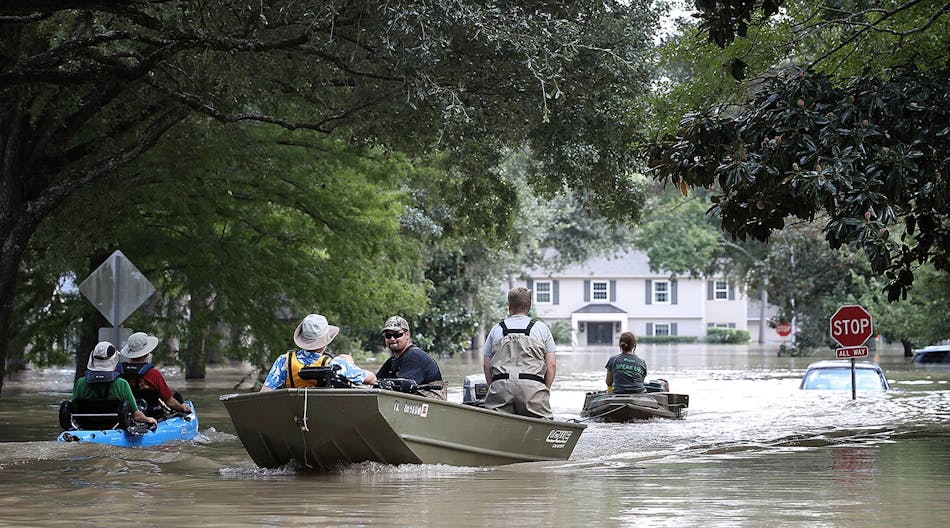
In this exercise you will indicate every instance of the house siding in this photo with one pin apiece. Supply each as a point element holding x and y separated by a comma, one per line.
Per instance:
<point>630,304</point>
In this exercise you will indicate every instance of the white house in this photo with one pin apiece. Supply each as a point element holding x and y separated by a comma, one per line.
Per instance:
<point>604,297</point>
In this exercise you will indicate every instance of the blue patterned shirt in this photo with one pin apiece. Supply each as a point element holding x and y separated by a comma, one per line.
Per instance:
<point>277,377</point>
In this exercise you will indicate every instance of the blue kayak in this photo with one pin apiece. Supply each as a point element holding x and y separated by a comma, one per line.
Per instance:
<point>177,426</point>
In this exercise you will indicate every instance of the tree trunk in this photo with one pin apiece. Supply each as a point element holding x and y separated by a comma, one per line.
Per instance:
<point>194,353</point>
<point>908,348</point>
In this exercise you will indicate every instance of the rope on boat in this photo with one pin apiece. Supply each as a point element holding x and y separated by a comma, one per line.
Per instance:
<point>601,415</point>
<point>306,395</point>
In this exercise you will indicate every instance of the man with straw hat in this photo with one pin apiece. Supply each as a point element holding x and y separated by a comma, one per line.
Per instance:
<point>312,335</point>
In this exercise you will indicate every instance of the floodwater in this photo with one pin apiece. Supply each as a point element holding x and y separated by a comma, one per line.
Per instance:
<point>753,451</point>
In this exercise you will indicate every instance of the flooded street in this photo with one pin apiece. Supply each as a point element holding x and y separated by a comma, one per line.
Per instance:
<point>753,451</point>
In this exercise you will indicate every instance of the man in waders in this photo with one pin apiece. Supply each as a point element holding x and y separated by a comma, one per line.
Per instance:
<point>519,361</point>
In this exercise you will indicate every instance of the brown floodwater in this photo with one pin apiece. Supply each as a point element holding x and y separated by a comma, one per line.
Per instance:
<point>753,451</point>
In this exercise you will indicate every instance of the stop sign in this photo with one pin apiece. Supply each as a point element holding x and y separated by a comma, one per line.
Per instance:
<point>851,326</point>
<point>783,329</point>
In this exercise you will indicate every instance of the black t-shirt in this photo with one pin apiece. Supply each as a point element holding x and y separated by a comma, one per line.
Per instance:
<point>412,364</point>
<point>629,371</point>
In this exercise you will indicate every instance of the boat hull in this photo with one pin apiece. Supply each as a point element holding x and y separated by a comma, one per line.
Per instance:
<point>323,428</point>
<point>611,407</point>
<point>181,428</point>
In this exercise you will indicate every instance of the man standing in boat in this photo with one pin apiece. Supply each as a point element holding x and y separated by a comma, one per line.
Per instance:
<point>408,360</point>
<point>519,361</point>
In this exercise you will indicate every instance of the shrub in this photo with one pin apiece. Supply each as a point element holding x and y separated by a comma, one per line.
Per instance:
<point>727,335</point>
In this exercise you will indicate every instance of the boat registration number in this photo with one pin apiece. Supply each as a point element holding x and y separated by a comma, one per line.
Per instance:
<point>558,438</point>
<point>413,408</point>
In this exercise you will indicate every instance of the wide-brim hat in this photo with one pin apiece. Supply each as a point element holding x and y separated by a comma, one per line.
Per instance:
<point>103,358</point>
<point>139,344</point>
<point>314,332</point>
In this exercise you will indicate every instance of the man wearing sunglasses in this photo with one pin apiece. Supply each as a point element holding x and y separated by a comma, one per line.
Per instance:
<point>408,360</point>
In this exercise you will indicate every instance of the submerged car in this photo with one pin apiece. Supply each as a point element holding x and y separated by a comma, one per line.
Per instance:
<point>933,354</point>
<point>836,375</point>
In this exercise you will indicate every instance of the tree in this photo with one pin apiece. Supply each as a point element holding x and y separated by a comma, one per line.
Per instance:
<point>238,251</point>
<point>89,87</point>
<point>922,319</point>
<point>853,134</point>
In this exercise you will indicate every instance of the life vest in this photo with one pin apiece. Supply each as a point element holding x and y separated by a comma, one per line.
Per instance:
<point>100,382</point>
<point>134,373</point>
<point>293,369</point>
<point>518,355</point>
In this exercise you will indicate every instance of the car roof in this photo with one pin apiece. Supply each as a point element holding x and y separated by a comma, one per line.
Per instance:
<point>837,363</point>
<point>933,348</point>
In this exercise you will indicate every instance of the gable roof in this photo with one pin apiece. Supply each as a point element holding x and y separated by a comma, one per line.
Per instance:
<point>600,308</point>
<point>632,263</point>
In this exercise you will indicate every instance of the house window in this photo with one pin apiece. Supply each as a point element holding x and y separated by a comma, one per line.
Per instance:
<point>661,329</point>
<point>721,290</point>
<point>661,293</point>
<point>542,292</point>
<point>598,290</point>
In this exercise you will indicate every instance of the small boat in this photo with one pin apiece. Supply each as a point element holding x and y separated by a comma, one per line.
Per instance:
<point>110,422</point>
<point>657,402</point>
<point>324,427</point>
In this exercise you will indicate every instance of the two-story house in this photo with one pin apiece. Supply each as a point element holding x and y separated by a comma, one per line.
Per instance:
<point>604,297</point>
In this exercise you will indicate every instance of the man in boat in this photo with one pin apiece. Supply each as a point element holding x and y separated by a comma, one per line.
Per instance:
<point>102,382</point>
<point>312,335</point>
<point>148,384</point>
<point>519,361</point>
<point>626,371</point>
<point>408,360</point>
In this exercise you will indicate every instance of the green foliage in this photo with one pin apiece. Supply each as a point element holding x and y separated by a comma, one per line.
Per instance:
<point>727,335</point>
<point>867,155</point>
<point>919,320</point>
<point>561,330</point>
<point>666,339</point>
<point>809,281</point>
<point>261,235</point>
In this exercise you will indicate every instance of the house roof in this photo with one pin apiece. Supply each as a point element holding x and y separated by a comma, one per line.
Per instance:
<point>629,264</point>
<point>600,308</point>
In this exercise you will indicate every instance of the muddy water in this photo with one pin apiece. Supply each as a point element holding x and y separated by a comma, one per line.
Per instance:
<point>753,451</point>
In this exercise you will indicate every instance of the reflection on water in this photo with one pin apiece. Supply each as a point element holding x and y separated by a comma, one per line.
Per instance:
<point>753,451</point>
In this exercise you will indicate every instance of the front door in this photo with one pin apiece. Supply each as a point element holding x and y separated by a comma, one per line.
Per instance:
<point>600,334</point>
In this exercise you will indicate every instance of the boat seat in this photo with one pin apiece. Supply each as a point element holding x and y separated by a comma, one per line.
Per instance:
<point>98,414</point>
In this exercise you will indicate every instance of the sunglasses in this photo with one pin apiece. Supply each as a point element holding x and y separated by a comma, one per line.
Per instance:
<point>394,336</point>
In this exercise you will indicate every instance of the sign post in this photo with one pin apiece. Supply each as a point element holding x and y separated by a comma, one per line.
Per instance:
<point>851,326</point>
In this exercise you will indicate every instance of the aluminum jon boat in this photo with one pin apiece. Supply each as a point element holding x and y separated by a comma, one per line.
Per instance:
<point>119,430</point>
<point>609,407</point>
<point>320,428</point>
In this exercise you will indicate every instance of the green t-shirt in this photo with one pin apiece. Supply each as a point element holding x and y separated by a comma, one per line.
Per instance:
<point>119,389</point>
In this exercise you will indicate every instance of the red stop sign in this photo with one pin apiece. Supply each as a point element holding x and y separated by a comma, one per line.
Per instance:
<point>851,326</point>
<point>783,329</point>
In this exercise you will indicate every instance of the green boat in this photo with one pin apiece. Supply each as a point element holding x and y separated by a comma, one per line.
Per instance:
<point>609,407</point>
<point>322,428</point>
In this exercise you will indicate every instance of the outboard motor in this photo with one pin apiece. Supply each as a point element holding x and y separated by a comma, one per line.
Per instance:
<point>474,389</point>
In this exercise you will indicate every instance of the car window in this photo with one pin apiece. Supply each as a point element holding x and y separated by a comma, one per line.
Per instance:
<point>840,379</point>
<point>937,356</point>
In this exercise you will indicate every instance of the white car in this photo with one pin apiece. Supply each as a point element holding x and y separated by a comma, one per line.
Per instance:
<point>836,375</point>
